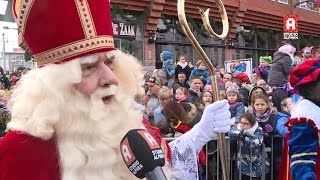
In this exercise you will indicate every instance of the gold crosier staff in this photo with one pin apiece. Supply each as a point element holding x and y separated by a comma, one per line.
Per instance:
<point>196,45</point>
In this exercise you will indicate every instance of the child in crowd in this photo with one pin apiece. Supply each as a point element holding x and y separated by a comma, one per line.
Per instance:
<point>254,91</point>
<point>168,67</point>
<point>250,155</point>
<point>201,71</point>
<point>181,94</point>
<point>236,106</point>
<point>284,116</point>
<point>227,84</point>
<point>182,66</point>
<point>207,98</point>
<point>265,114</point>
<point>264,67</point>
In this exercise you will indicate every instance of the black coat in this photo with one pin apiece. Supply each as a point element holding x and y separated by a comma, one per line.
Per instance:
<point>280,69</point>
<point>187,70</point>
<point>5,82</point>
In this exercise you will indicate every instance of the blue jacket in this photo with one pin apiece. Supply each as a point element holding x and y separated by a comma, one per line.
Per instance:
<point>158,115</point>
<point>168,67</point>
<point>200,72</point>
<point>247,143</point>
<point>282,118</point>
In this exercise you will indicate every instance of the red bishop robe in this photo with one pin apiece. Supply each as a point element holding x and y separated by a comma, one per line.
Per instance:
<point>26,157</point>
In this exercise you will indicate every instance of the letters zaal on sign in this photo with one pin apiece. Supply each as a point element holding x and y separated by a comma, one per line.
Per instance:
<point>124,30</point>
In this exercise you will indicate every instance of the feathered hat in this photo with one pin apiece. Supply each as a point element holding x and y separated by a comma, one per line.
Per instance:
<point>305,73</point>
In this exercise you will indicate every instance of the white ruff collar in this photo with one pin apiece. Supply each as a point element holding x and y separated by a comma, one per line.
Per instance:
<point>307,109</point>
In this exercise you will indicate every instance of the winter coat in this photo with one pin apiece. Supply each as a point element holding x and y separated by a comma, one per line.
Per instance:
<point>158,115</point>
<point>282,118</point>
<point>280,69</point>
<point>244,95</point>
<point>5,82</point>
<point>193,96</point>
<point>201,72</point>
<point>187,70</point>
<point>250,143</point>
<point>237,110</point>
<point>167,67</point>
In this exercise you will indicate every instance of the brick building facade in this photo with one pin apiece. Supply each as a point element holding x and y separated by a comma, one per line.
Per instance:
<point>265,17</point>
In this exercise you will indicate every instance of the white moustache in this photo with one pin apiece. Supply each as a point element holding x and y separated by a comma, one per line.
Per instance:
<point>103,92</point>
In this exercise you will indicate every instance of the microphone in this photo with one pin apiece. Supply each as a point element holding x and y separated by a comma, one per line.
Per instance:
<point>143,155</point>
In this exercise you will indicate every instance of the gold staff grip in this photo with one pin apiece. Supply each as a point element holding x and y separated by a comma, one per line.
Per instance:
<point>186,29</point>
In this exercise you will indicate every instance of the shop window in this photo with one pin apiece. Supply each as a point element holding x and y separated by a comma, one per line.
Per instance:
<point>133,47</point>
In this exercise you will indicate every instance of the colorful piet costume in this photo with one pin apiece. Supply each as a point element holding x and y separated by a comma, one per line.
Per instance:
<point>301,154</point>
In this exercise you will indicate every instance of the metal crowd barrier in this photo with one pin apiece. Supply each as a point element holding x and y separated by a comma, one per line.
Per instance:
<point>213,167</point>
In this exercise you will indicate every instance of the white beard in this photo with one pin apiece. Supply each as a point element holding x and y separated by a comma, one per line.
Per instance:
<point>88,132</point>
<point>89,135</point>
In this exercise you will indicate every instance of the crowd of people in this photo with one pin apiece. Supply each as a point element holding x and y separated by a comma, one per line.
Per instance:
<point>66,118</point>
<point>176,95</point>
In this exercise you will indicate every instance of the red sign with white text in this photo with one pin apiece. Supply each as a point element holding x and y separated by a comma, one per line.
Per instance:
<point>290,23</point>
<point>290,27</point>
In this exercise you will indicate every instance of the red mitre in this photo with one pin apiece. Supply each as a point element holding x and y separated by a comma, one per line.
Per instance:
<point>56,31</point>
<point>306,72</point>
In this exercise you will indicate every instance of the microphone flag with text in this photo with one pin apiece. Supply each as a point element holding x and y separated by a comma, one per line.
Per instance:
<point>142,154</point>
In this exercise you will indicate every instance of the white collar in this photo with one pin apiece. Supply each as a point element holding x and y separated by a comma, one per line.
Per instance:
<point>252,129</point>
<point>307,109</point>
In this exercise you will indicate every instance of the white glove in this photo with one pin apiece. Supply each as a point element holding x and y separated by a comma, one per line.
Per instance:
<point>218,116</point>
<point>215,119</point>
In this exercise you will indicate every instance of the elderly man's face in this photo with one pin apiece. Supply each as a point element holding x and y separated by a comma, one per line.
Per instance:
<point>97,72</point>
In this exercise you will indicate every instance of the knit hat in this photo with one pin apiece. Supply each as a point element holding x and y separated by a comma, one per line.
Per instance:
<point>267,59</point>
<point>243,77</point>
<point>305,73</point>
<point>166,55</point>
<point>232,88</point>
<point>287,48</point>
<point>306,49</point>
